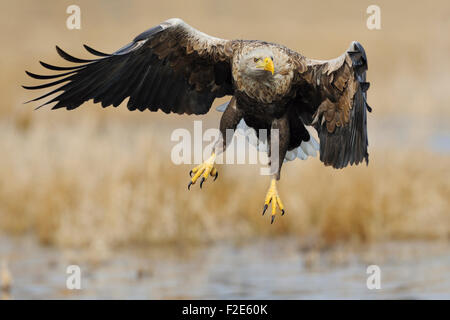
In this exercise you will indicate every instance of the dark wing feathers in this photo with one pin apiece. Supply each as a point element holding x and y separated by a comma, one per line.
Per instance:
<point>56,68</point>
<point>95,52</point>
<point>335,103</point>
<point>70,58</point>
<point>53,76</point>
<point>171,67</point>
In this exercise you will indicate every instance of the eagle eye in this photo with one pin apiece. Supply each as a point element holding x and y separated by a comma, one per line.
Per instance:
<point>255,59</point>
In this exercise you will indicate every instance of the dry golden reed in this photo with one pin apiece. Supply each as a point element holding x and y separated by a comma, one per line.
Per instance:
<point>90,182</point>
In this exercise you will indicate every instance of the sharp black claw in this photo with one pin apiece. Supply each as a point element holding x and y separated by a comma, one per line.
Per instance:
<point>273,218</point>
<point>201,182</point>
<point>189,185</point>
<point>282,212</point>
<point>265,208</point>
<point>190,173</point>
<point>215,177</point>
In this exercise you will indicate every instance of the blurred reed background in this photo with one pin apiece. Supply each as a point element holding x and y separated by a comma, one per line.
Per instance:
<point>105,176</point>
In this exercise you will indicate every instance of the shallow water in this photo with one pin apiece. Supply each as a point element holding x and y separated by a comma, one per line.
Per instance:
<point>277,269</point>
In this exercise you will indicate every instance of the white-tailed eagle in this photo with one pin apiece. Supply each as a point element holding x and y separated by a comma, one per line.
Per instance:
<point>177,69</point>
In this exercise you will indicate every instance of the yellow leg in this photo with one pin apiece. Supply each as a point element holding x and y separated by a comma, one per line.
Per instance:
<point>203,170</point>
<point>273,198</point>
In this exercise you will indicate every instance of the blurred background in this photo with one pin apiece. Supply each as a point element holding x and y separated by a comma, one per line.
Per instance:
<point>96,187</point>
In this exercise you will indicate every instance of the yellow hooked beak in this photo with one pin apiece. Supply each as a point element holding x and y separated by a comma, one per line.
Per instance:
<point>267,65</point>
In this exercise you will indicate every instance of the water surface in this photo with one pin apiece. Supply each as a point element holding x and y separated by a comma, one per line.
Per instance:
<point>277,269</point>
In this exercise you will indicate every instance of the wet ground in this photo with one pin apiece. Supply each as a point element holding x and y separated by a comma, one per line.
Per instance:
<point>278,269</point>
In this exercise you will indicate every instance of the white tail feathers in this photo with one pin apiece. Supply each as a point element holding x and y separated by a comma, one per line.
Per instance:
<point>310,147</point>
<point>222,107</point>
<point>291,155</point>
<point>305,150</point>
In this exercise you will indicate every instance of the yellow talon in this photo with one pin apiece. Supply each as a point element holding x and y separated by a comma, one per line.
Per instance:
<point>205,170</point>
<point>273,198</point>
<point>280,205</point>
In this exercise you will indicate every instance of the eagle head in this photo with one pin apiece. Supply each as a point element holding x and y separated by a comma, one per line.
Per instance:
<point>257,64</point>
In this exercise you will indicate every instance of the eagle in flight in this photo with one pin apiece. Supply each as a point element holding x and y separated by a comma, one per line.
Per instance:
<point>175,68</point>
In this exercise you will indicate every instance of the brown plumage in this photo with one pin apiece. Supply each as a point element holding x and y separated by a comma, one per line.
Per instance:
<point>175,68</point>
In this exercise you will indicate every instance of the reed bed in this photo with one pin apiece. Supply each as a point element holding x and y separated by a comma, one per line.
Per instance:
<point>113,183</point>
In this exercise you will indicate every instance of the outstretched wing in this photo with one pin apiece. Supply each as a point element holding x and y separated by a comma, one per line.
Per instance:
<point>172,67</point>
<point>332,97</point>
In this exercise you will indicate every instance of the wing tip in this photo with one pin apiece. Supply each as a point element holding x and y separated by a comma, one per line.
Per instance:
<point>95,52</point>
<point>69,57</point>
<point>359,58</point>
